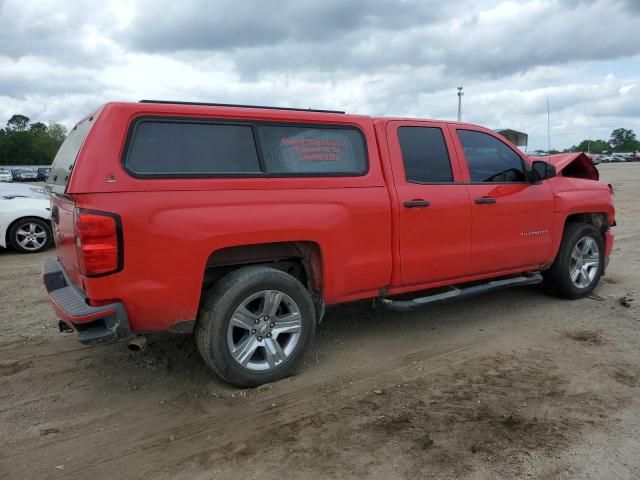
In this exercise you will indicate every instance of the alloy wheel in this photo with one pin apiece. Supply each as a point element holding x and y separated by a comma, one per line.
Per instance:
<point>31,236</point>
<point>584,262</point>
<point>264,330</point>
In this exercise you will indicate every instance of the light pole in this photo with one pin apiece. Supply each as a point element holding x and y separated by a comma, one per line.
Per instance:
<point>460,94</point>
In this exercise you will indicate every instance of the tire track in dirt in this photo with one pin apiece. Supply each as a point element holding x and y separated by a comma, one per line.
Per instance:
<point>291,405</point>
<point>208,428</point>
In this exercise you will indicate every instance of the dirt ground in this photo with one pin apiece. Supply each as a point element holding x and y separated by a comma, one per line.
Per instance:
<point>514,384</point>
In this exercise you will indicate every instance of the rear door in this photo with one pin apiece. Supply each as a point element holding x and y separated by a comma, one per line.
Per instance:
<point>434,206</point>
<point>511,217</point>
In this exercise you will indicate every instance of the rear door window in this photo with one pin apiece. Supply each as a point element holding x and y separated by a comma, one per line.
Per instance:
<point>425,155</point>
<point>66,157</point>
<point>297,150</point>
<point>182,148</point>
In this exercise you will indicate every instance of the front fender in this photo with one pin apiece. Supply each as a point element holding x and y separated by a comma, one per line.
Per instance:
<point>578,197</point>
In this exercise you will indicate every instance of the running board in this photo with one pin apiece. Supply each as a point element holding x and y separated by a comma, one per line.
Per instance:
<point>459,293</point>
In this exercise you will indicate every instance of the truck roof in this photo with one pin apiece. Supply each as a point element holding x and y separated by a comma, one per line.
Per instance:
<point>235,105</point>
<point>186,107</point>
<point>176,108</point>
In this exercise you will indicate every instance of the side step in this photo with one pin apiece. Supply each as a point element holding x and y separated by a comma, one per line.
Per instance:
<point>459,293</point>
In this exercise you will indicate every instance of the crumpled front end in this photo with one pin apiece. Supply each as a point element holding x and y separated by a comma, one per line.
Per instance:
<point>574,165</point>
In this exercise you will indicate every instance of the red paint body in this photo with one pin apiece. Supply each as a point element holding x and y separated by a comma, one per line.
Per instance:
<point>368,242</point>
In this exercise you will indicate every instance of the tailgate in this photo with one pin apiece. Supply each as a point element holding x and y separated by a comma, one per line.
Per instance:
<point>63,205</point>
<point>64,234</point>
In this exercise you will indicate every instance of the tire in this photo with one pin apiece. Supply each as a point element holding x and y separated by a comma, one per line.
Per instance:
<point>281,336</point>
<point>30,235</point>
<point>558,279</point>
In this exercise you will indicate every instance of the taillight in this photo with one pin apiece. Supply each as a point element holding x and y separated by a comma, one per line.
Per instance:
<point>98,242</point>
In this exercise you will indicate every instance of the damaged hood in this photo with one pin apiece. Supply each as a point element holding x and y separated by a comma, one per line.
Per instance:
<point>576,165</point>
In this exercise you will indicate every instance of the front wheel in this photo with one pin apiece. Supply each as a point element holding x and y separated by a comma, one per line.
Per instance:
<point>30,235</point>
<point>255,325</point>
<point>576,270</point>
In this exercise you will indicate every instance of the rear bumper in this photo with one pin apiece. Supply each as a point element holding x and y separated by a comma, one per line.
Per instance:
<point>92,324</point>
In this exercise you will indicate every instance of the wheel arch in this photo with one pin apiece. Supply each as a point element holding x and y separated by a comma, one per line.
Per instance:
<point>301,259</point>
<point>600,220</point>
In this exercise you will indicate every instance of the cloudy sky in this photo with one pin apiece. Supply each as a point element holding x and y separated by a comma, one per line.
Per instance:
<point>60,60</point>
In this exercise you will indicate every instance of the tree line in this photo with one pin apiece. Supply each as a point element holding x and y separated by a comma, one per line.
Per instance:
<point>26,143</point>
<point>621,140</point>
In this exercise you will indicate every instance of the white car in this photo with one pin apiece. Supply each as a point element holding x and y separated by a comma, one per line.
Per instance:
<point>25,222</point>
<point>20,190</point>
<point>5,176</point>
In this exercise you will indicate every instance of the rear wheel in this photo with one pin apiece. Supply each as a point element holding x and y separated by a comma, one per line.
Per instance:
<point>30,235</point>
<point>255,325</point>
<point>577,269</point>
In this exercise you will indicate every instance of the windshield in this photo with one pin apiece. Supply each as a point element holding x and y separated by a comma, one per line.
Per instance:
<point>66,156</point>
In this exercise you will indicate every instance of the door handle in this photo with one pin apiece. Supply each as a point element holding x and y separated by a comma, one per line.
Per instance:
<point>483,200</point>
<point>416,203</point>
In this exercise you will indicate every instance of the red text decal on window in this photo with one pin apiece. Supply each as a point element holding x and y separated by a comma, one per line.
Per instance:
<point>315,149</point>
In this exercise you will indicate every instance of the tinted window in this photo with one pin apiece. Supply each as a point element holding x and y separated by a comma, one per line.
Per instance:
<point>66,156</point>
<point>489,159</point>
<point>306,150</point>
<point>192,148</point>
<point>425,155</point>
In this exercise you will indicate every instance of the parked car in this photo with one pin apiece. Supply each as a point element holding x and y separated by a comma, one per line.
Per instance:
<point>240,224</point>
<point>25,222</point>
<point>19,190</point>
<point>29,175</point>
<point>24,175</point>
<point>620,157</point>
<point>43,173</point>
<point>5,175</point>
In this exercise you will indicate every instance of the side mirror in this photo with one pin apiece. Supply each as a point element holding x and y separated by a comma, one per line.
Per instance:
<point>541,171</point>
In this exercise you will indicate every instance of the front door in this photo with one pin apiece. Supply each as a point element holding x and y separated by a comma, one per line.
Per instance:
<point>511,217</point>
<point>434,206</point>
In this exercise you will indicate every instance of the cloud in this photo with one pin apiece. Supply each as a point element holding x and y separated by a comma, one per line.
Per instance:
<point>65,33</point>
<point>23,76</point>
<point>468,38</point>
<point>228,24</point>
<point>391,57</point>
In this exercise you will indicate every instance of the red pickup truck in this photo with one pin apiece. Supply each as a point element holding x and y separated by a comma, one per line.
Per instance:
<point>240,224</point>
